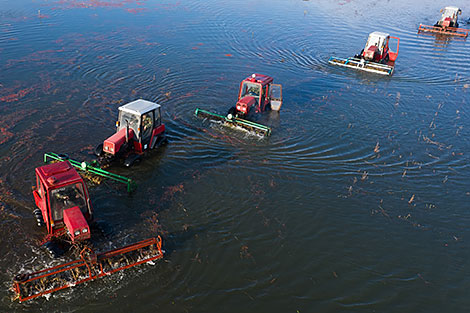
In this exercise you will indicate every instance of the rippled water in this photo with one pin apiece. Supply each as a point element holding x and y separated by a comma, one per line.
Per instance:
<point>356,203</point>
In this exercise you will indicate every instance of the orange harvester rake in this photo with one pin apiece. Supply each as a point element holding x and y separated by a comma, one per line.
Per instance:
<point>89,267</point>
<point>460,32</point>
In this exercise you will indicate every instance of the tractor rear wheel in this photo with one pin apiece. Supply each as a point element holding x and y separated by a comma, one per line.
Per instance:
<point>132,159</point>
<point>99,150</point>
<point>386,59</point>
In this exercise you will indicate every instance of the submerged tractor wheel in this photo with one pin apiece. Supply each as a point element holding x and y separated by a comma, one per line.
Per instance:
<point>386,59</point>
<point>21,277</point>
<point>99,150</point>
<point>132,159</point>
<point>63,156</point>
<point>232,113</point>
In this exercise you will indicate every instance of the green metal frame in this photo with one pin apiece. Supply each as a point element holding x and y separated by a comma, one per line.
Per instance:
<point>249,125</point>
<point>89,167</point>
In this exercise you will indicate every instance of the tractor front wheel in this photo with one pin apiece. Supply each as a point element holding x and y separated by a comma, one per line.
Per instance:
<point>232,113</point>
<point>99,150</point>
<point>63,156</point>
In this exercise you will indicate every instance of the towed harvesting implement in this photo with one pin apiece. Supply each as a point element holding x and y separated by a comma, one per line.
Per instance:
<point>447,25</point>
<point>257,94</point>
<point>376,57</point>
<point>139,129</point>
<point>64,208</point>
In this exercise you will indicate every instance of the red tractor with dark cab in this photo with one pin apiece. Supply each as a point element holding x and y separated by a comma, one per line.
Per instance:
<point>257,93</point>
<point>64,207</point>
<point>139,129</point>
<point>63,203</point>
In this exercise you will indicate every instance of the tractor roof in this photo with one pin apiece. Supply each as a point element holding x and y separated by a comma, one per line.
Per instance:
<point>379,34</point>
<point>451,8</point>
<point>260,78</point>
<point>55,174</point>
<point>139,107</point>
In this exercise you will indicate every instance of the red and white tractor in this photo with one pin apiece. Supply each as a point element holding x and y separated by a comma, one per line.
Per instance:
<point>257,93</point>
<point>139,129</point>
<point>377,48</point>
<point>448,24</point>
<point>376,57</point>
<point>449,17</point>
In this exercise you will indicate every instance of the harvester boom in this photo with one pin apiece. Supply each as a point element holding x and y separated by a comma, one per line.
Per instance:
<point>452,31</point>
<point>89,267</point>
<point>362,65</point>
<point>89,167</point>
<point>237,122</point>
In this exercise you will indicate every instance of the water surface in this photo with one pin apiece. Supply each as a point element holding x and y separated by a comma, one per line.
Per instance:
<point>358,202</point>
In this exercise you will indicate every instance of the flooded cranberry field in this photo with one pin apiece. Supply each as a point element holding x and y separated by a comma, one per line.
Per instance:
<point>357,202</point>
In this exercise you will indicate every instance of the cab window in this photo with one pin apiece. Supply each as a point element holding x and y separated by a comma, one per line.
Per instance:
<point>67,197</point>
<point>147,124</point>
<point>250,89</point>
<point>158,119</point>
<point>39,187</point>
<point>265,92</point>
<point>126,118</point>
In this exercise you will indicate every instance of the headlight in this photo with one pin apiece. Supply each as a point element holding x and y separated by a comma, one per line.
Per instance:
<point>76,233</point>
<point>85,230</point>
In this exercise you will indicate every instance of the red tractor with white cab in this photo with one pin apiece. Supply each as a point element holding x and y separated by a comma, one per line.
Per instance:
<point>63,202</point>
<point>376,57</point>
<point>139,129</point>
<point>447,25</point>
<point>257,93</point>
<point>449,17</point>
<point>377,48</point>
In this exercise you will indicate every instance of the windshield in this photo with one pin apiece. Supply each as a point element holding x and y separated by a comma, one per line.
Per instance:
<point>448,12</point>
<point>250,89</point>
<point>65,198</point>
<point>375,41</point>
<point>133,120</point>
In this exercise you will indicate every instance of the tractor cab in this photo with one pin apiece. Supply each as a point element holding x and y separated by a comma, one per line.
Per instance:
<point>139,128</point>
<point>449,17</point>
<point>257,93</point>
<point>377,48</point>
<point>62,198</point>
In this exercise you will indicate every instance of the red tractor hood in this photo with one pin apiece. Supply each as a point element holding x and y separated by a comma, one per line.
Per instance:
<point>446,22</point>
<point>114,143</point>
<point>370,52</point>
<point>244,104</point>
<point>76,224</point>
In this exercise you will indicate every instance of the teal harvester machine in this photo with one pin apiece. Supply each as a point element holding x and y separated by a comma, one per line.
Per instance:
<point>92,169</point>
<point>257,94</point>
